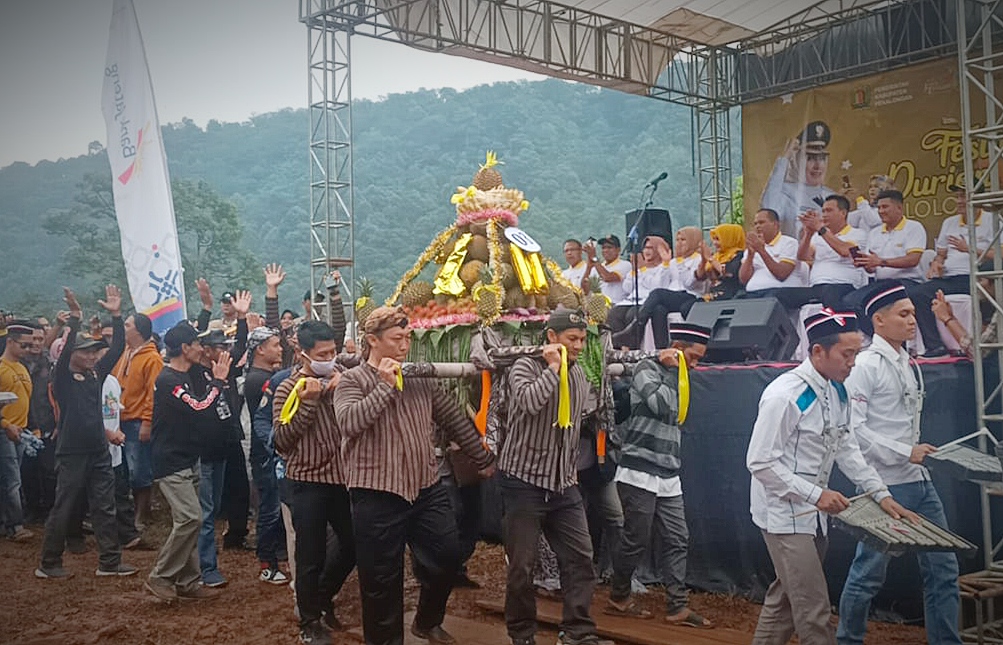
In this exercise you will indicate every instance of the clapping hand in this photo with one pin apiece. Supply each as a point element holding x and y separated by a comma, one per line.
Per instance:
<point>754,243</point>
<point>112,302</point>
<point>811,221</point>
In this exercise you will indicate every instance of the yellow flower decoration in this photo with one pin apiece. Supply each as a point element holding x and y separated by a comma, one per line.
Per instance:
<point>490,160</point>
<point>524,205</point>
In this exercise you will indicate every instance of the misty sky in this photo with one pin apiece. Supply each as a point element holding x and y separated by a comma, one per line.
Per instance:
<point>210,59</point>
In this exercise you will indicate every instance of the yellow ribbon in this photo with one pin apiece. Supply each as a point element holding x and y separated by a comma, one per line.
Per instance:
<point>400,380</point>
<point>564,393</point>
<point>684,389</point>
<point>448,281</point>
<point>292,404</point>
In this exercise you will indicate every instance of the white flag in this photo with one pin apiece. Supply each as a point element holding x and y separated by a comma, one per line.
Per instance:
<point>142,186</point>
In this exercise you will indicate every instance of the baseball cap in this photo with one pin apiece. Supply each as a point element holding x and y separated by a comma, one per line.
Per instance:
<point>214,337</point>
<point>180,334</point>
<point>961,186</point>
<point>227,296</point>
<point>86,341</point>
<point>562,319</point>
<point>610,239</point>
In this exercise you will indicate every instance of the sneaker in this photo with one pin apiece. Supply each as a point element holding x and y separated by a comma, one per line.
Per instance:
<point>433,635</point>
<point>199,592</point>
<point>273,576</point>
<point>21,534</point>
<point>122,570</point>
<point>133,543</point>
<point>591,639</point>
<point>313,633</point>
<point>161,590</point>
<point>213,579</point>
<point>55,573</point>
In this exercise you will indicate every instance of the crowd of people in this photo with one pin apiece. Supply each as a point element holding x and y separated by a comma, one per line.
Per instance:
<point>841,248</point>
<point>349,461</point>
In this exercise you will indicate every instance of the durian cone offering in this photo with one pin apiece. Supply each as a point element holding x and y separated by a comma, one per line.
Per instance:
<point>483,268</point>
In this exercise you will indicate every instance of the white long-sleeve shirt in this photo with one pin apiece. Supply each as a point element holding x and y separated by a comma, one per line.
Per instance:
<point>682,275</point>
<point>790,199</point>
<point>788,448</point>
<point>884,400</point>
<point>655,277</point>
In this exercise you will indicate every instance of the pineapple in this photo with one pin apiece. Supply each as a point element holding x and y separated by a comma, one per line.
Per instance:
<point>596,304</point>
<point>416,293</point>
<point>487,297</point>
<point>487,177</point>
<point>364,305</point>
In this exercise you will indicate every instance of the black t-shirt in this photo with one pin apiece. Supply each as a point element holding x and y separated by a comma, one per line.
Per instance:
<point>254,385</point>
<point>181,414</point>
<point>728,285</point>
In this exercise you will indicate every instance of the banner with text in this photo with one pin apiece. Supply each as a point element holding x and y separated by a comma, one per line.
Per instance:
<point>904,125</point>
<point>141,184</point>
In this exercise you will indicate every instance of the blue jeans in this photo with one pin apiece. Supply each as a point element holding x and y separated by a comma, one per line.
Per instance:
<point>11,513</point>
<point>210,497</point>
<point>939,571</point>
<point>137,456</point>
<point>270,530</point>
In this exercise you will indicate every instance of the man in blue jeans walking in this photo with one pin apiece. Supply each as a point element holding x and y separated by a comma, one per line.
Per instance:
<point>886,403</point>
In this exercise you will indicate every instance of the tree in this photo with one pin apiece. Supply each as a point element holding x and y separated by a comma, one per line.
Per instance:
<point>209,234</point>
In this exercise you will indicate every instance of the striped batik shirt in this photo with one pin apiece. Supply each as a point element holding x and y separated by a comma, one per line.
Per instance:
<point>389,441</point>
<point>310,443</point>
<point>534,449</point>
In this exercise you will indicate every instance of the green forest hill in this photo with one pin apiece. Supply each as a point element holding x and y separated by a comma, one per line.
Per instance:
<point>580,154</point>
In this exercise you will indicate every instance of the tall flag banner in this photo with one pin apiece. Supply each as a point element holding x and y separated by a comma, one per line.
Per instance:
<point>141,184</point>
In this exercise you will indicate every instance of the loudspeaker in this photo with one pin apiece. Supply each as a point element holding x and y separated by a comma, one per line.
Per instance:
<point>654,221</point>
<point>746,330</point>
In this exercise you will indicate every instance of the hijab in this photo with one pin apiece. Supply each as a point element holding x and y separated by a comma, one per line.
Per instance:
<point>693,237</point>
<point>732,238</point>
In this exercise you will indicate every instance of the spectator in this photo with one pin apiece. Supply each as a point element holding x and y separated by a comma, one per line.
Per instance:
<point>865,215</point>
<point>577,267</point>
<point>14,377</point>
<point>38,474</point>
<point>137,372</point>
<point>180,415</point>
<point>770,266</point>
<point>992,321</point>
<point>611,271</point>
<point>722,268</point>
<point>125,507</point>
<point>683,288</point>
<point>830,244</point>
<point>82,458</point>
<point>896,247</point>
<point>650,275</point>
<point>950,268</point>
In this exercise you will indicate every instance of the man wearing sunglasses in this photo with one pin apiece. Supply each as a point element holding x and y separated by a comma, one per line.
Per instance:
<point>14,378</point>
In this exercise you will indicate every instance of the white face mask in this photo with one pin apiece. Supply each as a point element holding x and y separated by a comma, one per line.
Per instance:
<point>320,368</point>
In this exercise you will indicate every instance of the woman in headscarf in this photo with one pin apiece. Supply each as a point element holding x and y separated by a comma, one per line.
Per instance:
<point>682,289</point>
<point>721,267</point>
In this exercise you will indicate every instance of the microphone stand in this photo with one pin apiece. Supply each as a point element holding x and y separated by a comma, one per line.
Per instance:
<point>632,249</point>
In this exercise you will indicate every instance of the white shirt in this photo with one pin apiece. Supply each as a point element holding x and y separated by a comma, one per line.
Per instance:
<point>956,262</point>
<point>614,290</point>
<point>830,267</point>
<point>787,450</point>
<point>575,274</point>
<point>660,486</point>
<point>790,199</point>
<point>908,236</point>
<point>111,409</point>
<point>682,275</point>
<point>884,397</point>
<point>784,249</point>
<point>864,216</point>
<point>655,277</point>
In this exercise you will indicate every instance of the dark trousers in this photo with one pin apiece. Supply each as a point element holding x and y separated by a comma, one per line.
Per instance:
<point>384,523</point>
<point>125,507</point>
<point>466,501</point>
<point>830,295</point>
<point>561,517</point>
<point>657,307</point>
<point>922,294</point>
<point>38,482</point>
<point>236,495</point>
<point>269,530</point>
<point>642,511</point>
<point>93,473</point>
<point>319,576</point>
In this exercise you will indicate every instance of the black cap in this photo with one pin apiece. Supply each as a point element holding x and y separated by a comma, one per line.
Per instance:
<point>86,341</point>
<point>689,333</point>
<point>227,296</point>
<point>815,137</point>
<point>214,337</point>
<point>562,319</point>
<point>610,239</point>
<point>180,334</point>
<point>828,322</point>
<point>962,186</point>
<point>881,294</point>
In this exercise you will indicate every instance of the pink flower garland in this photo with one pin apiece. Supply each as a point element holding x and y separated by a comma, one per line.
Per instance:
<point>510,218</point>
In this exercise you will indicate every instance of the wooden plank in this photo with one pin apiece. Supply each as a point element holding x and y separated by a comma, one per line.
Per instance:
<point>633,630</point>
<point>465,631</point>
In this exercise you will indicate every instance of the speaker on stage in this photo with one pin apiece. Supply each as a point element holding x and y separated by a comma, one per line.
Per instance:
<point>654,221</point>
<point>746,330</point>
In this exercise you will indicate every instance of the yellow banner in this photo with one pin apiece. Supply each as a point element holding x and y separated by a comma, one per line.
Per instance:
<point>905,124</point>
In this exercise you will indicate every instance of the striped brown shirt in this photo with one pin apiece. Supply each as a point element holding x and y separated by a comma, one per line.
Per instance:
<point>389,441</point>
<point>534,449</point>
<point>310,443</point>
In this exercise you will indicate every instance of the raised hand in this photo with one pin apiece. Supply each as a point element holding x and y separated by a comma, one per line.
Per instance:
<point>112,302</point>
<point>941,307</point>
<point>205,294</point>
<point>242,303</point>
<point>72,303</point>
<point>254,320</point>
<point>274,276</point>
<point>221,367</point>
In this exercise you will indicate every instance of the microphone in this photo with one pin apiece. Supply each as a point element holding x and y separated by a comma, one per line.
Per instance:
<point>654,182</point>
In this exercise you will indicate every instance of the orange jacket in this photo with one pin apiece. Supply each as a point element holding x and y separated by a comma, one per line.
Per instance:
<point>136,373</point>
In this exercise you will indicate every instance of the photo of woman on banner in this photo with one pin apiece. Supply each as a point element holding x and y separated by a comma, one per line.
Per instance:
<point>796,184</point>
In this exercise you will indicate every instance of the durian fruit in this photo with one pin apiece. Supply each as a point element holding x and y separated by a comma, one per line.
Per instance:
<point>508,277</point>
<point>561,295</point>
<point>596,304</point>
<point>541,303</point>
<point>487,177</point>
<point>470,272</point>
<point>416,293</point>
<point>479,228</point>
<point>364,304</point>
<point>515,299</point>
<point>477,249</point>
<point>488,298</point>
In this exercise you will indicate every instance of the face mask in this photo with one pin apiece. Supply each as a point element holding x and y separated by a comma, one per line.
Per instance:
<point>320,368</point>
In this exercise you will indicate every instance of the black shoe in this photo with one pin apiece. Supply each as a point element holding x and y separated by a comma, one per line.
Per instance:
<point>435,634</point>
<point>237,545</point>
<point>935,352</point>
<point>329,620</point>
<point>463,581</point>
<point>314,633</point>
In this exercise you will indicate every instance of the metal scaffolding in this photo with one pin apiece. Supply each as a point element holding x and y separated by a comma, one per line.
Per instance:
<point>331,193</point>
